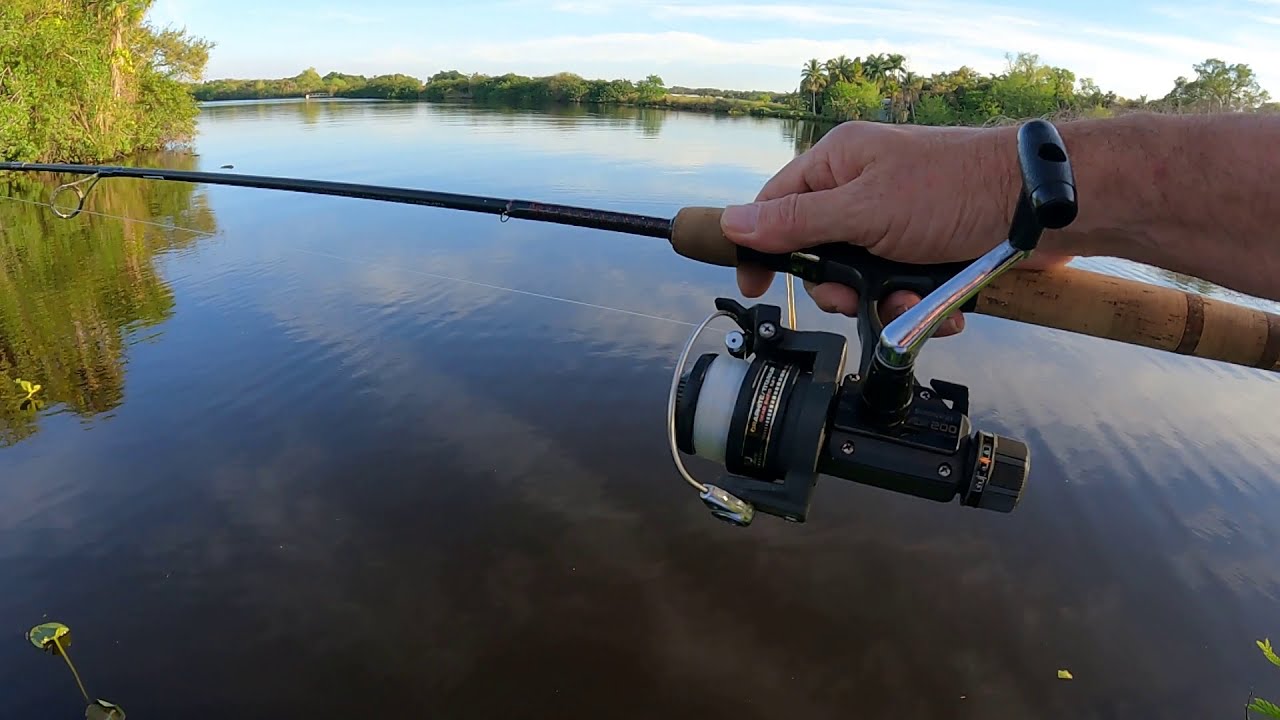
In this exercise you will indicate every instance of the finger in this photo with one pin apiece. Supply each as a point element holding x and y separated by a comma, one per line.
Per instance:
<point>808,172</point>
<point>834,298</point>
<point>901,301</point>
<point>788,223</point>
<point>754,281</point>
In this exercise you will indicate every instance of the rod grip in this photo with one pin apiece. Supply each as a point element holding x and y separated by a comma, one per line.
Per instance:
<point>695,234</point>
<point>1138,313</point>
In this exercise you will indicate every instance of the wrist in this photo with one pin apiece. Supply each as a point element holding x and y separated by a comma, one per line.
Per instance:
<point>1112,164</point>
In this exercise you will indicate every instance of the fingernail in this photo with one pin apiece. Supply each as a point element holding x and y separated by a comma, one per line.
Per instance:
<point>740,218</point>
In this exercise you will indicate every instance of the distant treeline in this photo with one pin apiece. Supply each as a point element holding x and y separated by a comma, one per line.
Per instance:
<point>509,88</point>
<point>878,87</point>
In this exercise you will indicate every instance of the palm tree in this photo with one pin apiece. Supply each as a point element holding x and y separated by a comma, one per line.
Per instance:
<point>813,80</point>
<point>846,68</point>
<point>894,65</point>
<point>912,89</point>
<point>874,68</point>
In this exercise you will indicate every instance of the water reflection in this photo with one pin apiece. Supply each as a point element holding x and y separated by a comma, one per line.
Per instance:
<point>72,291</point>
<point>370,434</point>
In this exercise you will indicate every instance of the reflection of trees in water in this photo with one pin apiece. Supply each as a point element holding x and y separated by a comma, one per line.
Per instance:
<point>308,111</point>
<point>803,134</point>
<point>69,289</point>
<point>649,120</point>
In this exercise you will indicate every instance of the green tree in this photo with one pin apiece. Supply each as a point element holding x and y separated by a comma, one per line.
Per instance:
<point>1218,87</point>
<point>857,100</point>
<point>909,92</point>
<point>308,81</point>
<point>894,66</point>
<point>813,81</point>
<point>567,87</point>
<point>841,69</point>
<point>875,68</point>
<point>89,80</point>
<point>934,110</point>
<point>651,89</point>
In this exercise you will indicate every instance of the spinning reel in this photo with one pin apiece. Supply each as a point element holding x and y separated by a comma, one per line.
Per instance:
<point>778,409</point>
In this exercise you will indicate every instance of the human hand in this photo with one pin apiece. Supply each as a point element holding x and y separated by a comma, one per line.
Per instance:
<point>905,192</point>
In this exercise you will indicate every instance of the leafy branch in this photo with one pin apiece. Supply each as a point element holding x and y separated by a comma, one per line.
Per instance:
<point>1256,704</point>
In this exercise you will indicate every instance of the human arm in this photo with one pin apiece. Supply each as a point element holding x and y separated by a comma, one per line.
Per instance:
<point>1188,193</point>
<point>1195,194</point>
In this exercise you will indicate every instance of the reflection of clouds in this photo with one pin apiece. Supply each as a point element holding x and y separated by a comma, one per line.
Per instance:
<point>441,134</point>
<point>1106,421</point>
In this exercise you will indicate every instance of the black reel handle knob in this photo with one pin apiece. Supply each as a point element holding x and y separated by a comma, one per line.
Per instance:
<point>1048,196</point>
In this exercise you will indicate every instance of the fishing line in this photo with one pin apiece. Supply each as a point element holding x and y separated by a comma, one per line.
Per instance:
<point>206,233</point>
<point>438,276</point>
<point>499,287</point>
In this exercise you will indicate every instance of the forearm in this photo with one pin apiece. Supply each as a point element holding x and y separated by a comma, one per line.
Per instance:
<point>1197,194</point>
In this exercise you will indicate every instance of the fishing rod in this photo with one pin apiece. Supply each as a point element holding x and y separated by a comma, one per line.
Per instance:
<point>779,410</point>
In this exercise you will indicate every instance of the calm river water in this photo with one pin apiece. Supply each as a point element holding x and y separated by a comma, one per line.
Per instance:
<point>314,457</point>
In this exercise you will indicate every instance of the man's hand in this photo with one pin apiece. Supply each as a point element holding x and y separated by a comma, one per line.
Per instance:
<point>908,193</point>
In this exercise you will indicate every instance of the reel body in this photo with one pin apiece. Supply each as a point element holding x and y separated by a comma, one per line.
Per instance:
<point>778,412</point>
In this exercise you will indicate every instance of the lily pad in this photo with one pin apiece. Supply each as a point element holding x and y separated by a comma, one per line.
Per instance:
<point>43,635</point>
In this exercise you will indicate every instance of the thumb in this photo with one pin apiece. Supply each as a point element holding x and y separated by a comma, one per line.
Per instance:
<point>790,222</point>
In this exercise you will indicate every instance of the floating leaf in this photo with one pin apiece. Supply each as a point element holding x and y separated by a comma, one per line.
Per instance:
<point>43,635</point>
<point>1265,645</point>
<point>1064,675</point>
<point>102,710</point>
<point>1266,708</point>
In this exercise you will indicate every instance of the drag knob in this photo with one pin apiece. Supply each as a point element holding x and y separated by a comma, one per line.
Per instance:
<point>999,473</point>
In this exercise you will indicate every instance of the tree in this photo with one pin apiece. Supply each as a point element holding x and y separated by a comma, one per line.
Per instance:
<point>841,69</point>
<point>857,100</point>
<point>308,81</point>
<point>566,87</point>
<point>874,67</point>
<point>651,89</point>
<point>812,81</point>
<point>934,110</point>
<point>911,88</point>
<point>1218,87</point>
<point>894,65</point>
<point>89,80</point>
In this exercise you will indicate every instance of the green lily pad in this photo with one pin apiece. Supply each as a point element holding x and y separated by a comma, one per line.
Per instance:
<point>43,635</point>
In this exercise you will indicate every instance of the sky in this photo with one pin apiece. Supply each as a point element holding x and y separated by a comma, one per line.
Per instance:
<point>1131,47</point>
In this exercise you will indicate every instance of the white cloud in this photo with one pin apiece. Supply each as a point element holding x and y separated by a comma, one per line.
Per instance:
<point>1130,63</point>
<point>584,7</point>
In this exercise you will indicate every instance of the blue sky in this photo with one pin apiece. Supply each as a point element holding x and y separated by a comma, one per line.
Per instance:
<point>1133,47</point>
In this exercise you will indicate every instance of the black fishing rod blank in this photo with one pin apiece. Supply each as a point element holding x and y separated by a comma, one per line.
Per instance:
<point>520,209</point>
